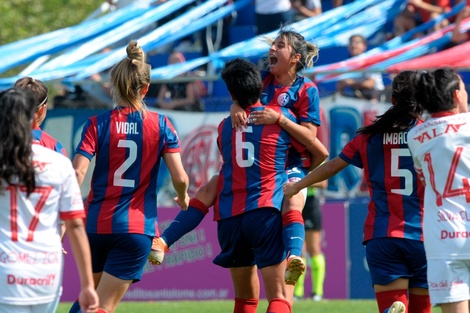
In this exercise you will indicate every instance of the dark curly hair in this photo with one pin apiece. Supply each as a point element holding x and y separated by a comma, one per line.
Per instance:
<point>17,107</point>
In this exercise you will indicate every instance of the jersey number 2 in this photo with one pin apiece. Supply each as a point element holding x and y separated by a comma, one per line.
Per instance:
<point>118,180</point>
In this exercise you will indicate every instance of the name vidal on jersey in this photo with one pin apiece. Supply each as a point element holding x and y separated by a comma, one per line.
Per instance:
<point>395,138</point>
<point>127,128</point>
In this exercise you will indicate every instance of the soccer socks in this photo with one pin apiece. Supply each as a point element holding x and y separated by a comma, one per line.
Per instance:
<point>245,305</point>
<point>386,298</point>
<point>419,303</point>
<point>318,270</point>
<point>299,289</point>
<point>76,308</point>
<point>293,232</point>
<point>185,221</point>
<point>278,305</point>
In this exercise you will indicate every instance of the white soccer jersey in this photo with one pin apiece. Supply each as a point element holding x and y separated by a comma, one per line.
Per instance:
<point>441,152</point>
<point>30,245</point>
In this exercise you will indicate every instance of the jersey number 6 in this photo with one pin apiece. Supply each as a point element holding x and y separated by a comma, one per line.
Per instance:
<point>244,150</point>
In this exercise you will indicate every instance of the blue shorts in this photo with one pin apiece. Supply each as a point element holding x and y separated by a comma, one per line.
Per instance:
<point>251,238</point>
<point>121,255</point>
<point>392,258</point>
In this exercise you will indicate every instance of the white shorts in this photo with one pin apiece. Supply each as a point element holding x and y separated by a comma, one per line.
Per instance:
<point>303,191</point>
<point>448,281</point>
<point>37,308</point>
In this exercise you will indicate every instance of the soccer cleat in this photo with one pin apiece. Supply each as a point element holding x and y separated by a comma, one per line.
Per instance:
<point>295,268</point>
<point>397,307</point>
<point>157,254</point>
<point>316,298</point>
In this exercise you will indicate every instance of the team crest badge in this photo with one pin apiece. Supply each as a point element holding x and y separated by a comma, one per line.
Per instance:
<point>283,99</point>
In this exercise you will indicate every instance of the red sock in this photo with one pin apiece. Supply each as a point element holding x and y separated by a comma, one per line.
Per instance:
<point>245,305</point>
<point>386,298</point>
<point>196,203</point>
<point>292,217</point>
<point>419,303</point>
<point>278,305</point>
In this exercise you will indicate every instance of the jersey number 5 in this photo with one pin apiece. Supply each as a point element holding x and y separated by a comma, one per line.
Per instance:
<point>396,171</point>
<point>43,192</point>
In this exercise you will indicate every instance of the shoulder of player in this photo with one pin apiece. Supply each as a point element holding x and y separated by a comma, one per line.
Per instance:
<point>305,82</point>
<point>46,136</point>
<point>44,154</point>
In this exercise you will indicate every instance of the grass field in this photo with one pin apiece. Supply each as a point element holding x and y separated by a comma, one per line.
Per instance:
<point>306,306</point>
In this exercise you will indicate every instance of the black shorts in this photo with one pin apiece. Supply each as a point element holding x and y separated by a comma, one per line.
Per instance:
<point>312,213</point>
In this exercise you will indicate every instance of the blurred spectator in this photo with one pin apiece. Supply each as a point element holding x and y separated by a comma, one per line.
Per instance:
<point>404,22</point>
<point>75,97</point>
<point>183,96</point>
<point>337,3</point>
<point>93,93</point>
<point>459,36</point>
<point>270,15</point>
<point>306,8</point>
<point>426,10</point>
<point>370,85</point>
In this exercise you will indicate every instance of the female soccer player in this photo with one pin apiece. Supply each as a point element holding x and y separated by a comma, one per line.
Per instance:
<point>392,231</point>
<point>282,86</point>
<point>249,188</point>
<point>129,143</point>
<point>440,153</point>
<point>40,92</point>
<point>37,186</point>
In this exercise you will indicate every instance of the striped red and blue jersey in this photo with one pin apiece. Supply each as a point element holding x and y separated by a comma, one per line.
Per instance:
<point>396,194</point>
<point>44,139</point>
<point>253,169</point>
<point>128,146</point>
<point>302,98</point>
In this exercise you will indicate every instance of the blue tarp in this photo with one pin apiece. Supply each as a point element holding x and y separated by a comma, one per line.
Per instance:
<point>76,48</point>
<point>84,66</point>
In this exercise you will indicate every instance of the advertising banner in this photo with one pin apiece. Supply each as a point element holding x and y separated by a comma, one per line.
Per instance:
<point>188,273</point>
